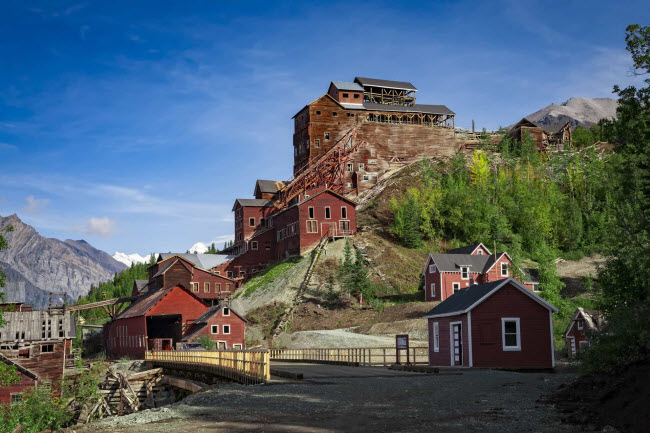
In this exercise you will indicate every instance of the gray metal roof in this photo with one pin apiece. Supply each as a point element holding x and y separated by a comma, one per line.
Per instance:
<point>468,249</point>
<point>374,82</point>
<point>252,202</point>
<point>204,261</point>
<point>453,262</point>
<point>351,106</point>
<point>345,85</point>
<point>464,298</point>
<point>14,292</point>
<point>417,108</point>
<point>269,186</point>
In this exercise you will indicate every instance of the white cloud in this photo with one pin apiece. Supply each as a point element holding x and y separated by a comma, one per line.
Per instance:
<point>36,205</point>
<point>102,227</point>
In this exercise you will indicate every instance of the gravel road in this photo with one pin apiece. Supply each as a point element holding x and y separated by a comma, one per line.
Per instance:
<point>388,401</point>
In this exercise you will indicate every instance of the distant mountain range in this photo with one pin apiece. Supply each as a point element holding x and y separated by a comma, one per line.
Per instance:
<point>583,112</point>
<point>50,265</point>
<point>129,259</point>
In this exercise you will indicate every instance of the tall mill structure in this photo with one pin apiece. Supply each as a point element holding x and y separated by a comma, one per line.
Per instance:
<point>394,129</point>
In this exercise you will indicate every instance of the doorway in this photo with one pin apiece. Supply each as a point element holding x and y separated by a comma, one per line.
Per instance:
<point>456,331</point>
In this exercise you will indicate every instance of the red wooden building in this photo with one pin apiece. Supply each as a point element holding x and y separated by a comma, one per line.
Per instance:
<point>224,326</point>
<point>500,324</point>
<point>446,274</point>
<point>583,325</point>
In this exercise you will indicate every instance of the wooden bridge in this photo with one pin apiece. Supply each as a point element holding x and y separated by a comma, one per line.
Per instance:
<point>243,366</point>
<point>360,356</point>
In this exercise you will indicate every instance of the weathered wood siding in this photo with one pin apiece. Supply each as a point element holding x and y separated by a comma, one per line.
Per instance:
<point>444,357</point>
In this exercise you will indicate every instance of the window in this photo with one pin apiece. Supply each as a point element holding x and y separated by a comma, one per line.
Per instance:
<point>372,152</point>
<point>580,323</point>
<point>16,398</point>
<point>228,287</point>
<point>350,114</point>
<point>327,136</point>
<point>254,245</point>
<point>464,272</point>
<point>345,226</point>
<point>267,245</point>
<point>215,329</point>
<point>237,346</point>
<point>47,348</point>
<point>511,334</point>
<point>229,274</point>
<point>334,114</point>
<point>350,167</point>
<point>311,213</point>
<point>433,290</point>
<point>361,166</point>
<point>346,95</point>
<point>217,287</point>
<point>226,311</point>
<point>318,112</point>
<point>226,329</point>
<point>317,143</point>
<point>206,287</point>
<point>312,226</point>
<point>328,213</point>
<point>432,269</point>
<point>504,269</point>
<point>242,273</point>
<point>194,287</point>
<point>456,287</point>
<point>344,212</point>
<point>251,222</point>
<point>436,337</point>
<point>372,161</point>
<point>365,177</point>
<point>356,96</point>
<point>479,252</point>
<point>536,287</point>
<point>262,222</point>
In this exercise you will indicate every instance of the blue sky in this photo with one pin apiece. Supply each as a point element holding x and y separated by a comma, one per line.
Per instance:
<point>135,125</point>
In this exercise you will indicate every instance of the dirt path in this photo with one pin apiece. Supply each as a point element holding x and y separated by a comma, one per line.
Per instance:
<point>472,401</point>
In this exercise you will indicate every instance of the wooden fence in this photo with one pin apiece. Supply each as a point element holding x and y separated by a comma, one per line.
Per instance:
<point>243,366</point>
<point>367,356</point>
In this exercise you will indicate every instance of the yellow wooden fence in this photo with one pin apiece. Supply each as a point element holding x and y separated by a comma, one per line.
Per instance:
<point>243,366</point>
<point>368,356</point>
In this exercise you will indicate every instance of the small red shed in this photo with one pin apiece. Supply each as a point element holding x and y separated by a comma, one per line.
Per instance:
<point>223,325</point>
<point>501,324</point>
<point>578,334</point>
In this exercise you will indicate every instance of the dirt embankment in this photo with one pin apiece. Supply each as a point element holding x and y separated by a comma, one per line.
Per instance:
<point>620,399</point>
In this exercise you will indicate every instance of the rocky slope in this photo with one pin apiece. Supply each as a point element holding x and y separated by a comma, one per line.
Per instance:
<point>579,111</point>
<point>50,265</point>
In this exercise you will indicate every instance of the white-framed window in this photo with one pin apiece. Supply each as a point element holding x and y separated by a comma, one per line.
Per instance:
<point>226,311</point>
<point>432,269</point>
<point>372,161</point>
<point>479,252</point>
<point>217,287</point>
<point>350,167</point>
<point>361,166</point>
<point>366,177</point>
<point>312,226</point>
<point>464,272</point>
<point>372,152</point>
<point>226,329</point>
<point>328,213</point>
<point>194,287</point>
<point>267,245</point>
<point>327,136</point>
<point>16,397</point>
<point>206,287</point>
<point>536,288</point>
<point>251,222</point>
<point>580,324</point>
<point>229,274</point>
<point>237,346</point>
<point>311,213</point>
<point>436,337</point>
<point>254,245</point>
<point>214,329</point>
<point>504,269</point>
<point>344,212</point>
<point>317,143</point>
<point>456,287</point>
<point>511,333</point>
<point>433,290</point>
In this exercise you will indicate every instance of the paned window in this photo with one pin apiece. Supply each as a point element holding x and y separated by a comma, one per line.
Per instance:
<point>511,333</point>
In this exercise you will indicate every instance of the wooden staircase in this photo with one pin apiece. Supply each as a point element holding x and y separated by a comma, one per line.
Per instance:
<point>287,316</point>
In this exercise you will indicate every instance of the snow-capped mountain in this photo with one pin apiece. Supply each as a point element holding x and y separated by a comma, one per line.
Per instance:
<point>199,248</point>
<point>129,259</point>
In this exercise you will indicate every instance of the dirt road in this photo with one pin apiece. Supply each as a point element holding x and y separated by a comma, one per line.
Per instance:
<point>356,399</point>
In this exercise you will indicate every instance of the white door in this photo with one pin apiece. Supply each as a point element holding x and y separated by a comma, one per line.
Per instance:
<point>457,344</point>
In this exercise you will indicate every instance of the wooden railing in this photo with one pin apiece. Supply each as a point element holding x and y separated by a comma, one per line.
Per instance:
<point>367,356</point>
<point>243,366</point>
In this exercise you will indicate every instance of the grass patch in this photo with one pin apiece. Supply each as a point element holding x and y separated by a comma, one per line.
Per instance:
<point>267,276</point>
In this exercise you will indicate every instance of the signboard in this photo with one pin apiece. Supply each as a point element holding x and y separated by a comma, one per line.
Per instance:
<point>402,341</point>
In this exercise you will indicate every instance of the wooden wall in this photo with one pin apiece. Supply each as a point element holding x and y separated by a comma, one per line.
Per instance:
<point>237,330</point>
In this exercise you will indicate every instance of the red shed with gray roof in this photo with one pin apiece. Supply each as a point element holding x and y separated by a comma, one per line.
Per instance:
<point>501,324</point>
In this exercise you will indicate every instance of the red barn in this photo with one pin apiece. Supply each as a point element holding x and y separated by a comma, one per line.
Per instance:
<point>446,274</point>
<point>223,325</point>
<point>162,314</point>
<point>500,324</point>
<point>250,217</point>
<point>578,334</point>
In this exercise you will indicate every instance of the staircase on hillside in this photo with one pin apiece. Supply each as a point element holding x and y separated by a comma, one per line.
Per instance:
<point>287,316</point>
